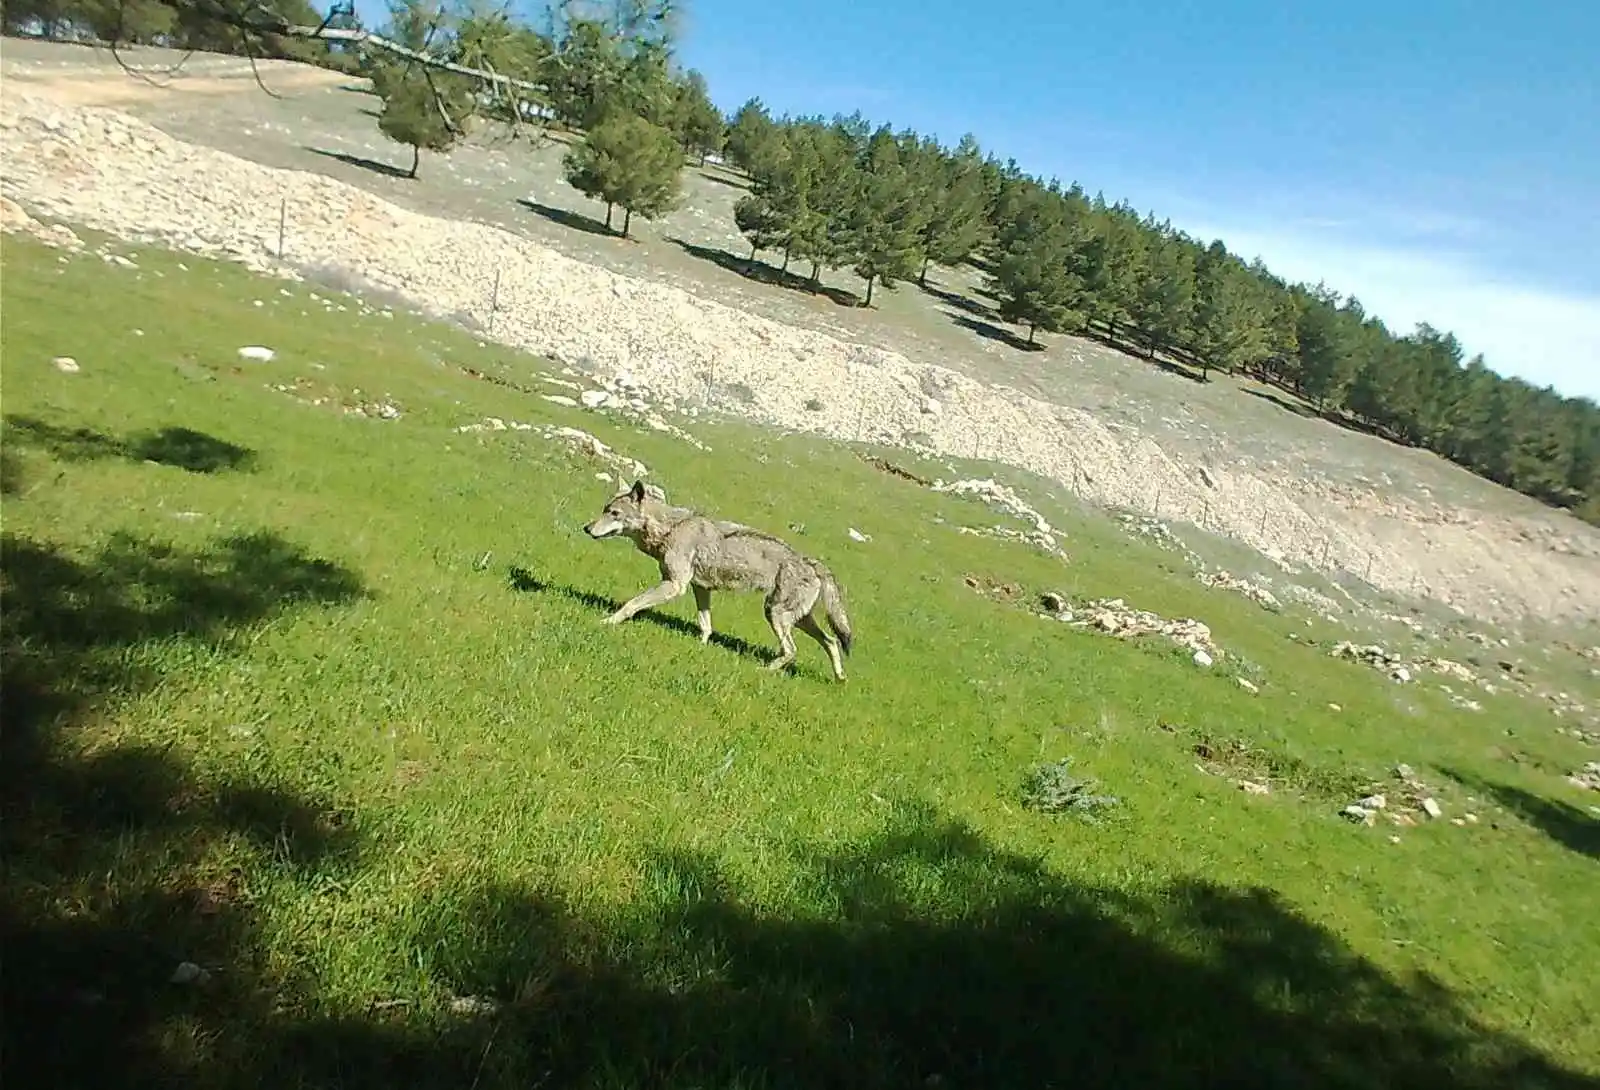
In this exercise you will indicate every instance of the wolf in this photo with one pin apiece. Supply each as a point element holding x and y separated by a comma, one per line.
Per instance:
<point>711,554</point>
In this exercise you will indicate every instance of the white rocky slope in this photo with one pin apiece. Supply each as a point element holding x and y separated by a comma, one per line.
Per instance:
<point>106,170</point>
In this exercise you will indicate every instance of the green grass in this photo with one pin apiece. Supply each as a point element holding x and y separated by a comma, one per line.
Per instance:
<point>322,703</point>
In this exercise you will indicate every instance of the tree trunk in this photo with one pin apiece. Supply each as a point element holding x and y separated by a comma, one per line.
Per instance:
<point>870,281</point>
<point>627,218</point>
<point>416,155</point>
<point>816,272</point>
<point>785,260</point>
<point>608,215</point>
<point>753,251</point>
<point>922,277</point>
<point>1032,329</point>
<point>1111,330</point>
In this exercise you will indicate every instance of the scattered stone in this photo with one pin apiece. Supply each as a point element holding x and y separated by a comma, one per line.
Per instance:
<point>1247,685</point>
<point>594,399</point>
<point>1373,802</point>
<point>1360,814</point>
<point>1432,808</point>
<point>1250,787</point>
<point>1586,778</point>
<point>1202,659</point>
<point>257,353</point>
<point>1405,772</point>
<point>1335,708</point>
<point>188,972</point>
<point>560,399</point>
<point>1053,602</point>
<point>66,365</point>
<point>857,535</point>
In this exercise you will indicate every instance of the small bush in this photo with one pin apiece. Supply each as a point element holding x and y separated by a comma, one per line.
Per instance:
<point>1052,789</point>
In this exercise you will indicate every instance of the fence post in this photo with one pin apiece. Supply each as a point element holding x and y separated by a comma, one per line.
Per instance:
<point>494,300</point>
<point>283,224</point>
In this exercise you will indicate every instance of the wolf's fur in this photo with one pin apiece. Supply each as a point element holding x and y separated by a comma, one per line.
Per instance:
<point>709,554</point>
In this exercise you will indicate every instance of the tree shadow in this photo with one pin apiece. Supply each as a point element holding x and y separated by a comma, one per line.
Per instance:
<point>996,333</point>
<point>522,579</point>
<point>763,273</point>
<point>123,862</point>
<point>13,476</point>
<point>962,302</point>
<point>731,183</point>
<point>184,448</point>
<point>918,956</point>
<point>1282,402</point>
<point>1562,822</point>
<point>563,217</point>
<point>388,170</point>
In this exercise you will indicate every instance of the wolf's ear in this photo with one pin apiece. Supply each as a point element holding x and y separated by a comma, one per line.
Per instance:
<point>638,491</point>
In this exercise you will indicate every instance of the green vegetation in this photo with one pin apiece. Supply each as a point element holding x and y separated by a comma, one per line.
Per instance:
<point>320,703</point>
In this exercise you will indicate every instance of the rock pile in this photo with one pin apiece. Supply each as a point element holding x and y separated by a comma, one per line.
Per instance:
<point>1587,777</point>
<point>1376,657</point>
<point>1408,796</point>
<point>1114,617</point>
<point>1258,594</point>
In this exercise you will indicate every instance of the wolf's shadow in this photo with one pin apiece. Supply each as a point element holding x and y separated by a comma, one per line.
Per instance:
<point>524,580</point>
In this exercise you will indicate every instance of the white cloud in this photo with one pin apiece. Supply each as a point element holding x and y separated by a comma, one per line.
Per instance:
<point>1546,337</point>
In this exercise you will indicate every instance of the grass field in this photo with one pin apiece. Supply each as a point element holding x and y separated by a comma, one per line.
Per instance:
<point>321,704</point>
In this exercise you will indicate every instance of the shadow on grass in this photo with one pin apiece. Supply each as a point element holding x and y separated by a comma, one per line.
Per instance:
<point>563,217</point>
<point>921,955</point>
<point>523,580</point>
<point>996,333</point>
<point>122,861</point>
<point>388,170</point>
<point>762,273</point>
<point>184,448</point>
<point>1562,822</point>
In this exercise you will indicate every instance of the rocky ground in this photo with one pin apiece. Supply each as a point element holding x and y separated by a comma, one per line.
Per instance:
<point>1130,437</point>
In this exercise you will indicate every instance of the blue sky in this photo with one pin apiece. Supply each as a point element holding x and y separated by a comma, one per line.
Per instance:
<point>1438,160</point>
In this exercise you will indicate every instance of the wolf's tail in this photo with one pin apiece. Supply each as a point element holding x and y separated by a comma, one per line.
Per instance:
<point>833,606</point>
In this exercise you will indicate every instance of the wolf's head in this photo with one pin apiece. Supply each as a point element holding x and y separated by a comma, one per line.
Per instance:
<point>624,514</point>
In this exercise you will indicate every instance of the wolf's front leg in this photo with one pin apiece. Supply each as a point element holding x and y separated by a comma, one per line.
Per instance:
<point>702,604</point>
<point>664,591</point>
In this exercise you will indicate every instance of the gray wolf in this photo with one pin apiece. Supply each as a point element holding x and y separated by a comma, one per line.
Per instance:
<point>709,554</point>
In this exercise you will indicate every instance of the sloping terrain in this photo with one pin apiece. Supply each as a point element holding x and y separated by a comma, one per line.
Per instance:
<point>1111,429</point>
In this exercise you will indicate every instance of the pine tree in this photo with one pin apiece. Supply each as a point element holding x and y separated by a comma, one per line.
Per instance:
<point>750,134</point>
<point>629,162</point>
<point>424,113</point>
<point>886,219</point>
<point>826,157</point>
<point>959,204</point>
<point>1034,278</point>
<point>1163,309</point>
<point>696,119</point>
<point>1229,331</point>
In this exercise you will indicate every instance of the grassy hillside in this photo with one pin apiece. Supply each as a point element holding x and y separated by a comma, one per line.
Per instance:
<point>321,704</point>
